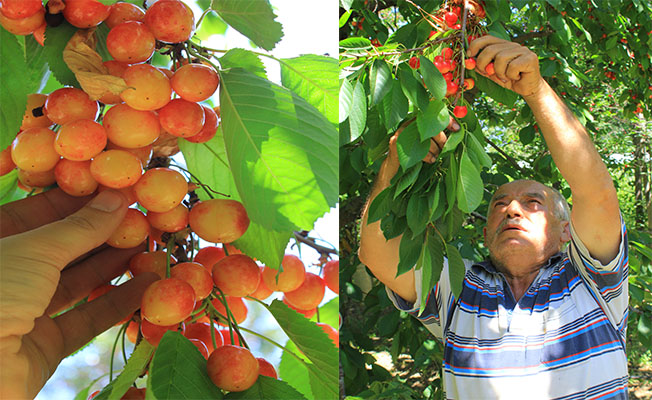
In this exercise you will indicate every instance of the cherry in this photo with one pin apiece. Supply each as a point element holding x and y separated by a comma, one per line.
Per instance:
<point>450,18</point>
<point>232,368</point>
<point>414,62</point>
<point>469,63</point>
<point>489,69</point>
<point>460,111</point>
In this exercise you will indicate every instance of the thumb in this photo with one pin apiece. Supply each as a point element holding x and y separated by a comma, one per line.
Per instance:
<point>63,241</point>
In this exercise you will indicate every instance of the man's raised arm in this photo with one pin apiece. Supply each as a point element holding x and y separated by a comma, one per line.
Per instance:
<point>595,214</point>
<point>377,253</point>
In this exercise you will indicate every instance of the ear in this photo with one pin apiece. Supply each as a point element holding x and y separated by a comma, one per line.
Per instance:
<point>565,232</point>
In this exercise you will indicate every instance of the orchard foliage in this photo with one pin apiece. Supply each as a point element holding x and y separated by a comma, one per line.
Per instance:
<point>271,153</point>
<point>393,54</point>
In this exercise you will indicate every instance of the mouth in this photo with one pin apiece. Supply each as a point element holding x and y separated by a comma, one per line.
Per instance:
<point>512,228</point>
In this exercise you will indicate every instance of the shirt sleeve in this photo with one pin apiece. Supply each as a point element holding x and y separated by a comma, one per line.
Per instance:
<point>440,299</point>
<point>607,281</point>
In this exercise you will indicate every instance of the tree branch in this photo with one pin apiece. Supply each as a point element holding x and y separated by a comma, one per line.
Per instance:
<point>507,156</point>
<point>302,237</point>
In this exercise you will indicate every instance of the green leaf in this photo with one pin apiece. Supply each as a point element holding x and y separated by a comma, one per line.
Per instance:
<point>37,65</point>
<point>409,251</point>
<point>433,253</point>
<point>56,40</point>
<point>241,58</point>
<point>178,371</point>
<point>314,78</point>
<point>254,19</point>
<point>453,141</point>
<point>498,93</point>
<point>294,372</point>
<point>355,43</point>
<point>644,326</point>
<point>411,149</point>
<point>133,369</point>
<point>14,88</point>
<point>433,119</point>
<point>265,245</point>
<point>267,388</point>
<point>561,27</point>
<point>282,152</point>
<point>101,33</point>
<point>469,186</point>
<point>477,152</point>
<point>329,313</point>
<point>346,99</point>
<point>456,270</point>
<point>358,112</point>
<point>395,106</point>
<point>417,213</point>
<point>450,180</point>
<point>526,135</point>
<point>344,18</point>
<point>433,79</point>
<point>313,343</point>
<point>9,190</point>
<point>380,79</point>
<point>380,205</point>
<point>211,25</point>
<point>412,88</point>
<point>407,179</point>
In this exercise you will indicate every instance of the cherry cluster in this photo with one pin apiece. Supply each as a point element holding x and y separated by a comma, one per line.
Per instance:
<point>84,145</point>
<point>450,61</point>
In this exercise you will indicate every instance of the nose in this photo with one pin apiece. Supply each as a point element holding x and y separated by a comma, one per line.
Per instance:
<point>513,209</point>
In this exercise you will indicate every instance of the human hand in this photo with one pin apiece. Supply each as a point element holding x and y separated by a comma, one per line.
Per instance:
<point>437,143</point>
<point>51,257</point>
<point>516,67</point>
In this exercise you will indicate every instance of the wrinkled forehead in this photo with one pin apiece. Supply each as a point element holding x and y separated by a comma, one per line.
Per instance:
<point>522,188</point>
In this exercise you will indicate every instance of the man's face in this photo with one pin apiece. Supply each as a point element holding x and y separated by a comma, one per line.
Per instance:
<point>522,226</point>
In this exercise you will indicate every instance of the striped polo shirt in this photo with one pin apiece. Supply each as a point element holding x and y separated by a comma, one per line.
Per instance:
<point>564,339</point>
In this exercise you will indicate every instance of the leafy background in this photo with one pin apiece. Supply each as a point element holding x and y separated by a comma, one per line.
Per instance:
<point>387,354</point>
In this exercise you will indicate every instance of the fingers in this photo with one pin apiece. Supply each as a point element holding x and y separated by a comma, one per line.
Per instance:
<point>34,211</point>
<point>62,241</point>
<point>79,280</point>
<point>81,324</point>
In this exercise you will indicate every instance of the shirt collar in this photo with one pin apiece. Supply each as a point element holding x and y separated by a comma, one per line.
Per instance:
<point>488,266</point>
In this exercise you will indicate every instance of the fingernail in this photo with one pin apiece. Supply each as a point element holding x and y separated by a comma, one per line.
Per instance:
<point>107,201</point>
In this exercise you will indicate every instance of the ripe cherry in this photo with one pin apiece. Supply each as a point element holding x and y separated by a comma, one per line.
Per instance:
<point>469,63</point>
<point>414,62</point>
<point>450,18</point>
<point>232,368</point>
<point>447,53</point>
<point>460,111</point>
<point>489,69</point>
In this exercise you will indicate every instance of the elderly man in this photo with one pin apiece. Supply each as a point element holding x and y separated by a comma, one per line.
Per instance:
<point>531,321</point>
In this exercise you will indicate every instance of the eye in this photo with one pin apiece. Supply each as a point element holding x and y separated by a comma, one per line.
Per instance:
<point>534,201</point>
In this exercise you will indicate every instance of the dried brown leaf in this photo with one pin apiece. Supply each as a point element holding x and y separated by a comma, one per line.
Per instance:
<point>82,59</point>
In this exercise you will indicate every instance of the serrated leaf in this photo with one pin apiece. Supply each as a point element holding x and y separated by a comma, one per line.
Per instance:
<point>314,78</point>
<point>380,79</point>
<point>329,313</point>
<point>454,139</point>
<point>407,179</point>
<point>561,27</point>
<point>380,205</point>
<point>345,99</point>
<point>14,88</point>
<point>433,119</point>
<point>357,112</point>
<point>311,340</point>
<point>208,162</point>
<point>282,152</point>
<point>37,65</point>
<point>294,372</point>
<point>433,79</point>
<point>267,388</point>
<point>450,180</point>
<point>410,148</point>
<point>417,213</point>
<point>132,370</point>
<point>409,251</point>
<point>178,371</point>
<point>477,152</point>
<point>395,106</point>
<point>241,58</point>
<point>412,88</point>
<point>56,40</point>
<point>254,19</point>
<point>456,269</point>
<point>433,253</point>
<point>355,43</point>
<point>469,185</point>
<point>498,93</point>
<point>526,135</point>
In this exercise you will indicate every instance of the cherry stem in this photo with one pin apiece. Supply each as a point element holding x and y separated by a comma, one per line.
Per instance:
<point>168,255</point>
<point>230,319</point>
<point>115,345</point>
<point>201,18</point>
<point>213,333</point>
<point>204,186</point>
<point>302,237</point>
<point>280,346</point>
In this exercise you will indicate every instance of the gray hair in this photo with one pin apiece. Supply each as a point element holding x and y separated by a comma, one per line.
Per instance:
<point>562,209</point>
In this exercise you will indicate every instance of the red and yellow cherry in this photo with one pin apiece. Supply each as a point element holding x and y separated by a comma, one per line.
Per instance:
<point>292,276</point>
<point>236,275</point>
<point>266,368</point>
<point>232,368</point>
<point>331,332</point>
<point>219,220</point>
<point>202,331</point>
<point>331,274</point>
<point>309,294</point>
<point>168,301</point>
<point>196,275</point>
